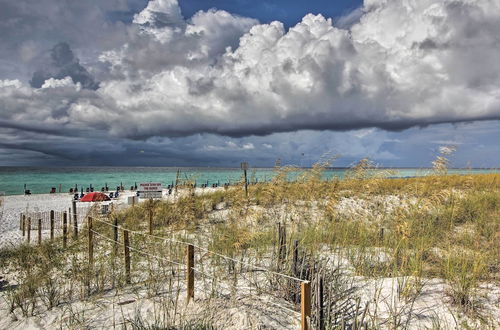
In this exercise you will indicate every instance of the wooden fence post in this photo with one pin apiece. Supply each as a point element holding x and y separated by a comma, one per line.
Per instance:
<point>305,304</point>
<point>115,232</point>
<point>296,257</point>
<point>24,225</point>
<point>20,221</point>
<point>39,231</point>
<point>91,243</point>
<point>190,271</point>
<point>75,221</point>
<point>281,244</point>
<point>65,229</point>
<point>320,304</point>
<point>29,229</point>
<point>127,256</point>
<point>150,216</point>
<point>51,225</point>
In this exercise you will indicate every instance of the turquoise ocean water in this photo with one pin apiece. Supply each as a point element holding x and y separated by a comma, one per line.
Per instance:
<point>41,180</point>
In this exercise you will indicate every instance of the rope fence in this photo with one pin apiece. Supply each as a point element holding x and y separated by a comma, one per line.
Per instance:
<point>255,275</point>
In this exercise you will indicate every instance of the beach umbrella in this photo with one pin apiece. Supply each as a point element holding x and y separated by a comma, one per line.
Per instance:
<point>95,197</point>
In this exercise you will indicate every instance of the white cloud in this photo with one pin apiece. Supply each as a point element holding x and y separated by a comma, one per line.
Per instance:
<point>403,64</point>
<point>248,146</point>
<point>55,83</point>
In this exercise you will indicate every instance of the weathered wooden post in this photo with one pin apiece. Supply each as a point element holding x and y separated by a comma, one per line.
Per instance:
<point>52,225</point>
<point>151,216</point>
<point>305,304</point>
<point>75,221</point>
<point>65,229</point>
<point>244,167</point>
<point>190,271</point>
<point>320,304</point>
<point>115,235</point>
<point>91,243</point>
<point>177,180</point>
<point>24,225</point>
<point>127,256</point>
<point>29,229</point>
<point>296,257</point>
<point>281,244</point>
<point>39,231</point>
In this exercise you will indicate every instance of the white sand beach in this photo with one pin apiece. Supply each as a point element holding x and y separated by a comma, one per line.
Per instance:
<point>13,206</point>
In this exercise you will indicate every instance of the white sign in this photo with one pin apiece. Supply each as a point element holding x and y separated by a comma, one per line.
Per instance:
<point>149,194</point>
<point>150,190</point>
<point>150,186</point>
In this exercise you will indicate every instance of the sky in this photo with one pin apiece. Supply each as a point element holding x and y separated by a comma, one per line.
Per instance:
<point>214,83</point>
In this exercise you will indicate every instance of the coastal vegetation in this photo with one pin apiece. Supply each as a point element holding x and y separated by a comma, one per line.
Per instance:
<point>379,252</point>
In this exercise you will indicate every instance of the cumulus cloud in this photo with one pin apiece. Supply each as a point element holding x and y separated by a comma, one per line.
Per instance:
<point>391,64</point>
<point>403,64</point>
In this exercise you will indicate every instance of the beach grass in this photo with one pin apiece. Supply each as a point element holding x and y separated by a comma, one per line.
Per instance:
<point>366,227</point>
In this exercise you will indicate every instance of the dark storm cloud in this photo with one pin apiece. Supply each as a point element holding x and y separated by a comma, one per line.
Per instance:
<point>63,64</point>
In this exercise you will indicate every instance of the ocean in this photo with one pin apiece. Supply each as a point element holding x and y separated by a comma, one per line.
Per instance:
<point>42,179</point>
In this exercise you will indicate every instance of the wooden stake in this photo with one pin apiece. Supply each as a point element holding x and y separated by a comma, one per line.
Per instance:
<point>190,271</point>
<point>296,257</point>
<point>305,304</point>
<point>75,221</point>
<point>65,229</point>
<point>115,235</point>
<point>24,225</point>
<point>127,256</point>
<point>29,229</point>
<point>91,243</point>
<point>246,184</point>
<point>150,216</point>
<point>320,311</point>
<point>52,225</point>
<point>39,231</point>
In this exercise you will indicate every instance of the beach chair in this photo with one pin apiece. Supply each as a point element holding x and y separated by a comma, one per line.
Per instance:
<point>117,194</point>
<point>75,197</point>
<point>111,195</point>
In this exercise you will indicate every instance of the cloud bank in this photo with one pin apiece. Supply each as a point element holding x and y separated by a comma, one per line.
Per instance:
<point>396,64</point>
